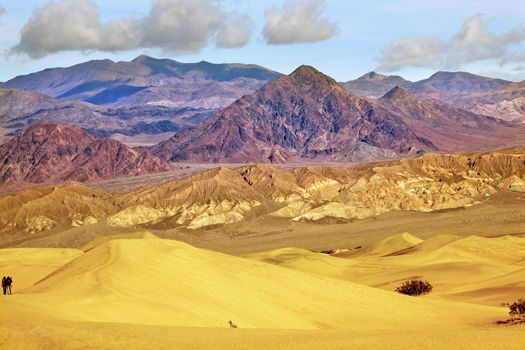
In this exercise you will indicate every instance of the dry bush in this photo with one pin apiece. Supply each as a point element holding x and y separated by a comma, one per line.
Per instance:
<point>516,311</point>
<point>414,287</point>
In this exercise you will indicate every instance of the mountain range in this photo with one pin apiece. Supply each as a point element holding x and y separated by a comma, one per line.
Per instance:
<point>303,117</point>
<point>308,115</point>
<point>147,81</point>
<point>482,95</point>
<point>144,96</point>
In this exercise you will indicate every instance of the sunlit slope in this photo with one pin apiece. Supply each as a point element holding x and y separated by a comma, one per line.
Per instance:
<point>473,269</point>
<point>161,282</point>
<point>28,265</point>
<point>393,244</point>
<point>104,239</point>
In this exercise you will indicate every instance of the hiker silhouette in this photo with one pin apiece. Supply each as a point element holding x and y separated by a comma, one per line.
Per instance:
<point>7,282</point>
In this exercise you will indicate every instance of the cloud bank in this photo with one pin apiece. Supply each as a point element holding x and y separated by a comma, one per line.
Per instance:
<point>180,26</point>
<point>297,21</point>
<point>473,42</point>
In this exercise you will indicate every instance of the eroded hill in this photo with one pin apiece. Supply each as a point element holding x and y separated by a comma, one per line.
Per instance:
<point>428,183</point>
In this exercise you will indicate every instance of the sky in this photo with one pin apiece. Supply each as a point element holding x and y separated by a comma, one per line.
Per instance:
<point>343,38</point>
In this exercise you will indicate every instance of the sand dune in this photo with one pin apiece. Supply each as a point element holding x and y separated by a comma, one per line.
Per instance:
<point>473,269</point>
<point>393,244</point>
<point>161,282</point>
<point>104,239</point>
<point>141,288</point>
<point>29,265</point>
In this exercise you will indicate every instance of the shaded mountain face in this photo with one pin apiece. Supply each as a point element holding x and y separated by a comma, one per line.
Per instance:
<point>52,152</point>
<point>304,115</point>
<point>374,85</point>
<point>147,80</point>
<point>507,102</point>
<point>20,109</point>
<point>480,95</point>
<point>449,127</point>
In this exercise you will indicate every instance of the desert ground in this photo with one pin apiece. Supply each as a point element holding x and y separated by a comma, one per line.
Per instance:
<point>94,270</point>
<point>136,290</point>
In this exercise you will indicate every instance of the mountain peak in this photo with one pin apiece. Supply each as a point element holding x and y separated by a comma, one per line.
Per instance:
<point>59,132</point>
<point>446,75</point>
<point>398,93</point>
<point>308,76</point>
<point>143,58</point>
<point>463,82</point>
<point>449,75</point>
<point>372,76</point>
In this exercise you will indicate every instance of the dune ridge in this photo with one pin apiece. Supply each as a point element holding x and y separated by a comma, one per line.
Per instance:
<point>472,269</point>
<point>144,289</point>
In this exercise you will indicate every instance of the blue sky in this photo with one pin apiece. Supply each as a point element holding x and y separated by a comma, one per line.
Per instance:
<point>344,39</point>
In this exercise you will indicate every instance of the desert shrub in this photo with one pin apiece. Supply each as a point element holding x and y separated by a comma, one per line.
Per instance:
<point>516,311</point>
<point>414,287</point>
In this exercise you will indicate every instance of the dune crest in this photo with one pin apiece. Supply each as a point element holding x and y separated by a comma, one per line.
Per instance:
<point>180,285</point>
<point>473,269</point>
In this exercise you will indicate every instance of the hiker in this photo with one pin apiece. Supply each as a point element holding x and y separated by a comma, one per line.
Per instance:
<point>4,284</point>
<point>9,283</point>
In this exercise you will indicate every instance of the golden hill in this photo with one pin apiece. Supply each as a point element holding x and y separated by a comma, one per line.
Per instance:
<point>257,193</point>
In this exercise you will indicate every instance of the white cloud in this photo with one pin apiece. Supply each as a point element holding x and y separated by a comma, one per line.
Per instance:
<point>297,21</point>
<point>235,33</point>
<point>473,42</point>
<point>172,25</point>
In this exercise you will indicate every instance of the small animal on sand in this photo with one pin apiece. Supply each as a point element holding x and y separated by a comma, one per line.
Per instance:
<point>232,325</point>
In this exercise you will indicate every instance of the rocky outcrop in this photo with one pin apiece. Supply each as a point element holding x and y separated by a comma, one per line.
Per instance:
<point>52,152</point>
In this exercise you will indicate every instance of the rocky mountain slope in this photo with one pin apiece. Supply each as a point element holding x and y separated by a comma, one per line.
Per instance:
<point>446,86</point>
<point>52,152</point>
<point>20,109</point>
<point>304,115</point>
<point>481,95</point>
<point>447,126</point>
<point>147,80</point>
<point>507,102</point>
<point>227,196</point>
<point>308,115</point>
